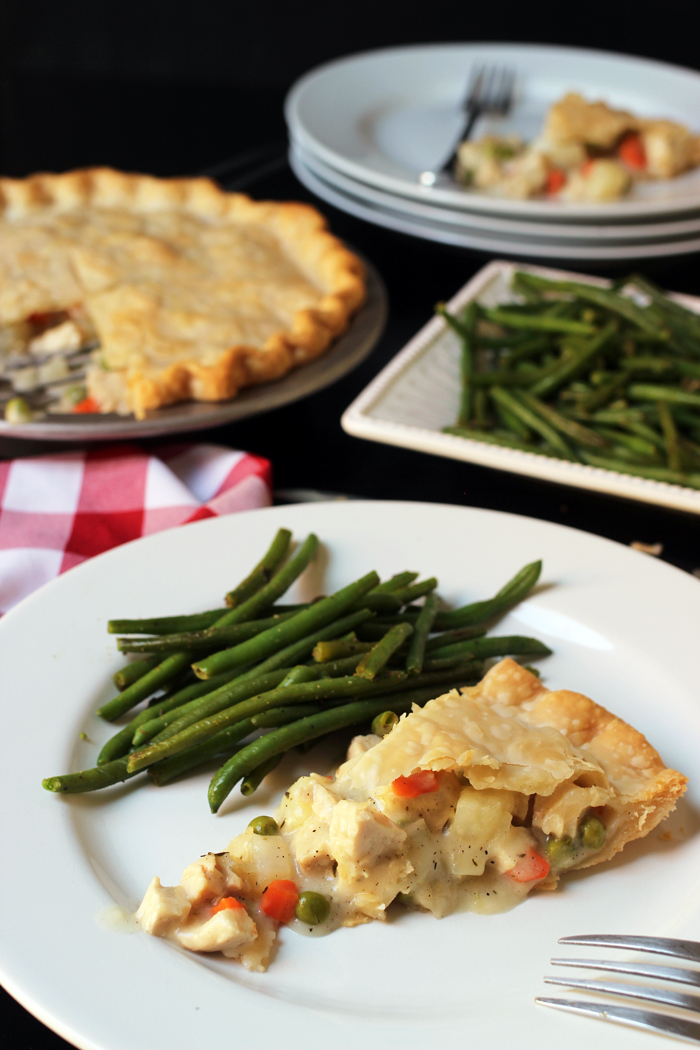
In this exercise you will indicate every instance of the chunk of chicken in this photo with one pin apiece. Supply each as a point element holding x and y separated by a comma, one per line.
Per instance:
<point>64,338</point>
<point>360,836</point>
<point>670,148</point>
<point>208,878</point>
<point>162,908</point>
<point>574,119</point>
<point>226,931</point>
<point>311,846</point>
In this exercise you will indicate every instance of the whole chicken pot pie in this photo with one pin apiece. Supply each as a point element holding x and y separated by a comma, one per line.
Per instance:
<point>188,292</point>
<point>470,802</point>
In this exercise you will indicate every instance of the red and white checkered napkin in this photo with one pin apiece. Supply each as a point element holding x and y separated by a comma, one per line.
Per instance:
<point>59,510</point>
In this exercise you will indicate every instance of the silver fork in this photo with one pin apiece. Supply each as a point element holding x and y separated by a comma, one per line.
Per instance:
<point>490,92</point>
<point>646,1019</point>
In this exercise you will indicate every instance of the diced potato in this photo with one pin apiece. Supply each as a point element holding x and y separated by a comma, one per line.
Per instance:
<point>261,859</point>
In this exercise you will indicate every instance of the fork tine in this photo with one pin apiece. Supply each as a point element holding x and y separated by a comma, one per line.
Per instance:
<point>665,996</point>
<point>658,973</point>
<point>689,950</point>
<point>644,1019</point>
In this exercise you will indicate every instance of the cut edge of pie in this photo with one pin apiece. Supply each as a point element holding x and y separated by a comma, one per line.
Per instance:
<point>299,229</point>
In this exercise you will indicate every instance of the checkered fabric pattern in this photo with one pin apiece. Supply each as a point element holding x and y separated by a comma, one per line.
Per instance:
<point>59,510</point>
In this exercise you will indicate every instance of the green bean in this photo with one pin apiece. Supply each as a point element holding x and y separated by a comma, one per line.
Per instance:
<point>538,322</point>
<point>302,673</point>
<point>657,365</point>
<point>483,648</point>
<point>424,625</point>
<point>653,473</point>
<point>639,445</point>
<point>119,744</point>
<point>569,368</point>
<point>534,421</point>
<point>335,649</point>
<point>462,634</point>
<point>253,780</point>
<point>131,673</point>
<point>512,422</point>
<point>651,392</point>
<point>673,453</point>
<point>502,377</point>
<point>406,595</point>
<point>292,654</point>
<point>212,638</point>
<point>173,722</point>
<point>166,624</point>
<point>224,742</point>
<point>454,322</point>
<point>90,779</point>
<point>467,363</point>
<point>530,348</point>
<point>617,304</point>
<point>580,434</point>
<point>503,439</point>
<point>379,655</point>
<point>383,723</point>
<point>262,572</point>
<point>479,612</point>
<point>401,579</point>
<point>142,688</point>
<point>270,641</point>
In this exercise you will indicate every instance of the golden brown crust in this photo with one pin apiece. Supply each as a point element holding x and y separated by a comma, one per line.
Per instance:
<point>646,791</point>
<point>166,268</point>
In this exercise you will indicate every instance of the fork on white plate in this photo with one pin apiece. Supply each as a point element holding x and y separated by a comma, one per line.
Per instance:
<point>489,93</point>
<point>649,1020</point>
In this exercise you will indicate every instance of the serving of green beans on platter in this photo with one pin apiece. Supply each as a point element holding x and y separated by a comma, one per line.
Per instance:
<point>245,683</point>
<point>608,377</point>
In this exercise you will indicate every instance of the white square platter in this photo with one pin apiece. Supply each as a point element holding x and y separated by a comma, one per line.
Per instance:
<point>417,394</point>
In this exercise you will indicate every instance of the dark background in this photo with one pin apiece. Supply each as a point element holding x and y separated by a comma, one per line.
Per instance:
<point>171,89</point>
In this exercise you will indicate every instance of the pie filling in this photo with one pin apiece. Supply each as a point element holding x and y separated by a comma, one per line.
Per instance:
<point>467,804</point>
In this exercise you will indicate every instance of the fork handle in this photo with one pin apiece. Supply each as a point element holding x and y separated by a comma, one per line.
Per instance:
<point>463,136</point>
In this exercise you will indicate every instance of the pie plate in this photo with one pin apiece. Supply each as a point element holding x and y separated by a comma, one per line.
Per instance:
<point>346,353</point>
<point>623,629</point>
<point>417,394</point>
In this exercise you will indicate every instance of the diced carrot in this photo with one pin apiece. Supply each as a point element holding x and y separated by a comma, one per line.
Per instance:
<point>530,867</point>
<point>556,180</point>
<point>40,317</point>
<point>280,899</point>
<point>226,904</point>
<point>631,151</point>
<point>587,167</point>
<point>88,404</point>
<point>421,782</point>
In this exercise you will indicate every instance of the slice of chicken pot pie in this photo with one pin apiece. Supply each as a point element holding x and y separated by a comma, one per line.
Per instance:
<point>470,802</point>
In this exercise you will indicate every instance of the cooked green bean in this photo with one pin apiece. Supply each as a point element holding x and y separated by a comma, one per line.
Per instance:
<point>373,662</point>
<point>335,649</point>
<point>262,572</point>
<point>580,434</point>
<point>166,624</point>
<point>212,638</point>
<point>423,627</point>
<point>401,579</point>
<point>300,625</point>
<point>496,438</point>
<point>90,779</point>
<point>538,322</point>
<point>253,780</point>
<point>653,473</point>
<point>131,673</point>
<point>652,392</point>
<point>479,612</point>
<point>533,421</point>
<point>483,648</point>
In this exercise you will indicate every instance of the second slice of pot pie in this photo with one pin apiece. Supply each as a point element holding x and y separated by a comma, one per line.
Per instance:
<point>470,802</point>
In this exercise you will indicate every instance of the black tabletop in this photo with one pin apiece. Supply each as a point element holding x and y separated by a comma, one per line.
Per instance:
<point>310,451</point>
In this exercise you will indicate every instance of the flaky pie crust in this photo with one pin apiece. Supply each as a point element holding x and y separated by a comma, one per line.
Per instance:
<point>195,293</point>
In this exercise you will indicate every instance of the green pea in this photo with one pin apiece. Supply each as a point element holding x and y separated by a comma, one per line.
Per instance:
<point>264,826</point>
<point>312,908</point>
<point>17,410</point>
<point>560,852</point>
<point>592,832</point>
<point>384,723</point>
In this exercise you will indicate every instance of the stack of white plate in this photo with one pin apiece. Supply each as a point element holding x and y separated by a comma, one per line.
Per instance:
<point>363,128</point>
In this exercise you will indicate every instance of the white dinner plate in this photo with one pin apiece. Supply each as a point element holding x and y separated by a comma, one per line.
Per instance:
<point>482,223</point>
<point>459,236</point>
<point>384,116</point>
<point>623,629</point>
<point>417,394</point>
